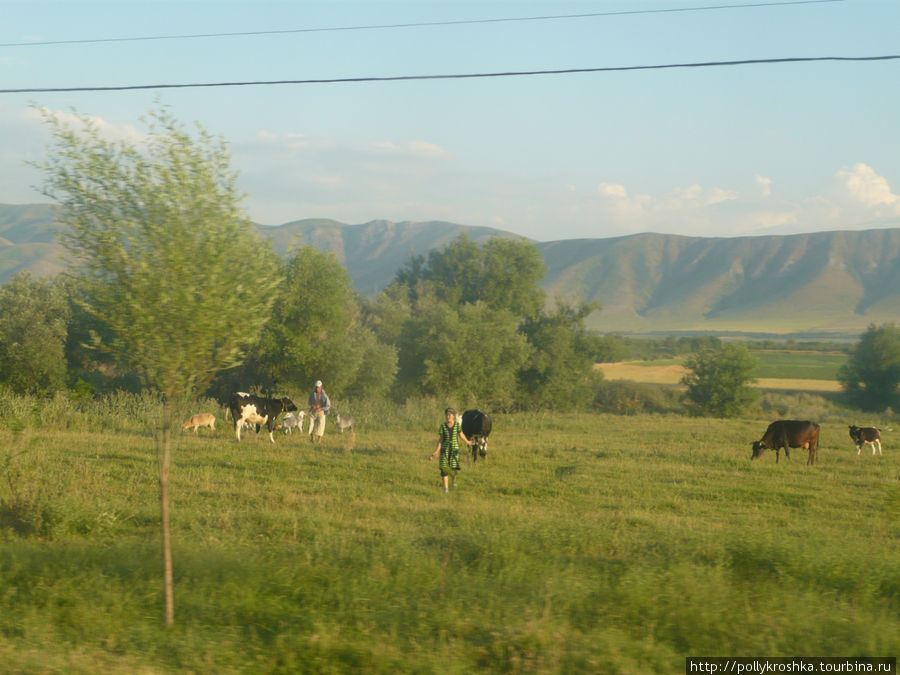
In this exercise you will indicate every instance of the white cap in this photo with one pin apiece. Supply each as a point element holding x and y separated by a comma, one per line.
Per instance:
<point>318,383</point>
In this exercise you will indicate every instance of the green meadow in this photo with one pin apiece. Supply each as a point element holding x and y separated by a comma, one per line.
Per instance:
<point>583,543</point>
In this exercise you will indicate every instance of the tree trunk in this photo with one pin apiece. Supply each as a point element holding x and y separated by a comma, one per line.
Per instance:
<point>164,461</point>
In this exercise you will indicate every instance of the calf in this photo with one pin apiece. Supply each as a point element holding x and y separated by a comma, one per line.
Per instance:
<point>200,420</point>
<point>343,422</point>
<point>292,421</point>
<point>476,425</point>
<point>866,436</point>
<point>257,410</point>
<point>789,434</point>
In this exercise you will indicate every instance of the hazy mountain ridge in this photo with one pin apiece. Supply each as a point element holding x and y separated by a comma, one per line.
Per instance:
<point>825,282</point>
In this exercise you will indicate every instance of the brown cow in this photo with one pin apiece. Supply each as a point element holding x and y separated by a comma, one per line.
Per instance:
<point>866,435</point>
<point>789,434</point>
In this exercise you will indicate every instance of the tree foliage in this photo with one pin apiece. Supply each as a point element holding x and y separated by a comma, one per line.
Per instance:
<point>717,381</point>
<point>317,332</point>
<point>872,374</point>
<point>34,316</point>
<point>503,274</point>
<point>155,228</point>
<point>560,372</point>
<point>464,353</point>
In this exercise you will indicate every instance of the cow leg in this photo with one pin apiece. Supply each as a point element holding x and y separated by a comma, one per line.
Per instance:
<point>879,448</point>
<point>777,455</point>
<point>858,448</point>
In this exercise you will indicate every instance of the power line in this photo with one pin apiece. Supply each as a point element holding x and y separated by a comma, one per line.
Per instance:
<point>456,76</point>
<point>416,25</point>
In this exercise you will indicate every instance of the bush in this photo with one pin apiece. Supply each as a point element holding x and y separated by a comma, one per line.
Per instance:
<point>622,397</point>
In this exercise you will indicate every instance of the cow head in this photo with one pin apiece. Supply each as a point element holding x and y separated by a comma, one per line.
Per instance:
<point>855,432</point>
<point>481,445</point>
<point>758,447</point>
<point>288,405</point>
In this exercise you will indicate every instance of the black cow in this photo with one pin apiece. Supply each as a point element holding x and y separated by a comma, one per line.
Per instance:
<point>257,410</point>
<point>476,425</point>
<point>864,435</point>
<point>789,434</point>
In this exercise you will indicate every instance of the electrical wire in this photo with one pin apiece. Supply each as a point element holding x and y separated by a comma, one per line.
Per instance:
<point>456,76</point>
<point>418,24</point>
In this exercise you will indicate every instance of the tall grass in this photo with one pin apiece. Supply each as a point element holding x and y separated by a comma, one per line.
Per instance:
<point>583,543</point>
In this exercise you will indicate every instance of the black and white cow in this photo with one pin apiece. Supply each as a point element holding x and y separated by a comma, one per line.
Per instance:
<point>257,410</point>
<point>476,425</point>
<point>866,436</point>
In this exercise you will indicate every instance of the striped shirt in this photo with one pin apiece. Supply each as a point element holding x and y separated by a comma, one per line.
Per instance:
<point>449,446</point>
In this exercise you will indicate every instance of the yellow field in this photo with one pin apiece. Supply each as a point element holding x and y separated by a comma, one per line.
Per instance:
<point>672,374</point>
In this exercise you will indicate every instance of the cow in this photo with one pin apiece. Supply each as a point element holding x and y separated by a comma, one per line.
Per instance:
<point>257,410</point>
<point>866,435</point>
<point>343,422</point>
<point>200,420</point>
<point>292,421</point>
<point>789,434</point>
<point>476,425</point>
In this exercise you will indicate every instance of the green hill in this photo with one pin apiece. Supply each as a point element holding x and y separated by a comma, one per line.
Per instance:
<point>832,283</point>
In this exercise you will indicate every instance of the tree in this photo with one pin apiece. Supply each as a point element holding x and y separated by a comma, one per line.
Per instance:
<point>154,227</point>
<point>717,381</point>
<point>317,331</point>
<point>33,319</point>
<point>468,353</point>
<point>504,274</point>
<point>560,372</point>
<point>872,374</point>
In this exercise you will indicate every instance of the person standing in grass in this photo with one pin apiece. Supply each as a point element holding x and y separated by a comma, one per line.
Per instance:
<point>319,406</point>
<point>449,434</point>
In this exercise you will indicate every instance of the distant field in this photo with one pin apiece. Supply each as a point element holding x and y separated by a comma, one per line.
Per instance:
<point>804,371</point>
<point>584,543</point>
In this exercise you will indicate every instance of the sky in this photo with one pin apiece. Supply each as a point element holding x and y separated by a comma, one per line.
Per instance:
<point>757,149</point>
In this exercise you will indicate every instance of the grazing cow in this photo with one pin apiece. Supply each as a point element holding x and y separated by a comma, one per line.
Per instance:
<point>257,410</point>
<point>789,434</point>
<point>476,425</point>
<point>200,420</point>
<point>292,421</point>
<point>866,435</point>
<point>343,422</point>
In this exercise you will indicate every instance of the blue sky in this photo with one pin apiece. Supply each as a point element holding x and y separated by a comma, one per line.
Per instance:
<point>726,151</point>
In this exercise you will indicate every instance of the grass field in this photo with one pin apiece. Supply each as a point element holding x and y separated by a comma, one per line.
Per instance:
<point>583,543</point>
<point>776,369</point>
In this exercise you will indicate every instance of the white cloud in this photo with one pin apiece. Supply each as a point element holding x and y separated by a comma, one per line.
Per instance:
<point>863,185</point>
<point>110,130</point>
<point>612,190</point>
<point>764,185</point>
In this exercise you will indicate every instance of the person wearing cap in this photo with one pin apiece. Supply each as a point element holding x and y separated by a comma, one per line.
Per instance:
<point>449,434</point>
<point>319,406</point>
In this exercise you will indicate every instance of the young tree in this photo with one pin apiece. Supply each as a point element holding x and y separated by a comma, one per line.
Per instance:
<point>872,374</point>
<point>33,318</point>
<point>717,381</point>
<point>154,227</point>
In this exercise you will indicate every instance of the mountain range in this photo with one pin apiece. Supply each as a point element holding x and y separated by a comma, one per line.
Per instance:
<point>824,283</point>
